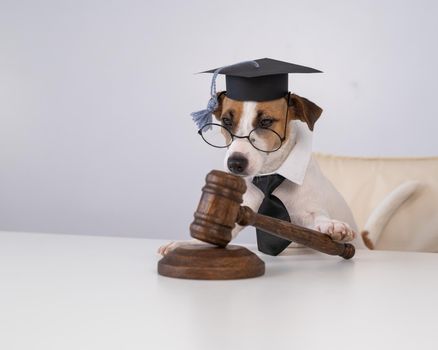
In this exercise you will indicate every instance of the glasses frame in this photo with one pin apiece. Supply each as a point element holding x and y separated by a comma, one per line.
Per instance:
<point>233,136</point>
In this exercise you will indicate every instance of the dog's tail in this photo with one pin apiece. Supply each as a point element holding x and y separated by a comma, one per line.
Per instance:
<point>383,212</point>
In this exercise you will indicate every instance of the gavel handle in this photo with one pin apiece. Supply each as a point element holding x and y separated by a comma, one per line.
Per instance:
<point>284,229</point>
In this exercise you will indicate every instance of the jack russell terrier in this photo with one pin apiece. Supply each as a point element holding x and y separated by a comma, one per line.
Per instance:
<point>309,197</point>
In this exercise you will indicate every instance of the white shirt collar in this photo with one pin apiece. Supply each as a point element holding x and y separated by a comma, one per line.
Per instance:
<point>295,165</point>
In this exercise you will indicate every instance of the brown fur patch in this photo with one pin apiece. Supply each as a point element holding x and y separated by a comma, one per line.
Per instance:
<point>305,110</point>
<point>233,109</point>
<point>366,240</point>
<point>220,97</point>
<point>275,109</point>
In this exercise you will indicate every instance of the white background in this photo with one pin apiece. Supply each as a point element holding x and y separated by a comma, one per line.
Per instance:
<point>95,97</point>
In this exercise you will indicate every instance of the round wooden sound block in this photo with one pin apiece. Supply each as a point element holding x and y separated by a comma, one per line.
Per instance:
<point>207,262</point>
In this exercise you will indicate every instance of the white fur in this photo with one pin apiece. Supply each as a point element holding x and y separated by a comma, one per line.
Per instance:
<point>384,211</point>
<point>255,159</point>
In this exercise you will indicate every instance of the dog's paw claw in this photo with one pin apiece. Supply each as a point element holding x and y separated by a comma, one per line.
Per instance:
<point>337,230</point>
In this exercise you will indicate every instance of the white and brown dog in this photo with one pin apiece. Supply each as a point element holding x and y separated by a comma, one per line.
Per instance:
<point>309,197</point>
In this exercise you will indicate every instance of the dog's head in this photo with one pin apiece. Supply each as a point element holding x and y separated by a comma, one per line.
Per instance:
<point>242,117</point>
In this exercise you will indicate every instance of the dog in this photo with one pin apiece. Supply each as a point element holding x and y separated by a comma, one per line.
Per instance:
<point>309,197</point>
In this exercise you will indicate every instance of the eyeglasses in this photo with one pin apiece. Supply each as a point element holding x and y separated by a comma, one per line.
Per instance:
<point>262,139</point>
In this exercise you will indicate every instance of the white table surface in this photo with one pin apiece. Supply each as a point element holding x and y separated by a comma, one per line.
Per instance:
<point>82,292</point>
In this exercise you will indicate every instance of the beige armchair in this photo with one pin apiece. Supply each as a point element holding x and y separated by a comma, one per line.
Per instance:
<point>395,199</point>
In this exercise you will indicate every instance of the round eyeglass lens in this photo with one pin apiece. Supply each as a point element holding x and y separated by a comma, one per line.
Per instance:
<point>216,135</point>
<point>265,140</point>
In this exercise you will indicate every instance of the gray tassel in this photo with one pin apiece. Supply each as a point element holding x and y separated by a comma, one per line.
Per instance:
<point>205,116</point>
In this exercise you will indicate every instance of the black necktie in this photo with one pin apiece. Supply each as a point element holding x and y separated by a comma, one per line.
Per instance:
<point>271,206</point>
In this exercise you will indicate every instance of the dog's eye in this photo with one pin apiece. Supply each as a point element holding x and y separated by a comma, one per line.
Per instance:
<point>226,121</point>
<point>266,122</point>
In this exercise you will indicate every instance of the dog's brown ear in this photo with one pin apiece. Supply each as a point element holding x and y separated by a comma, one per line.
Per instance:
<point>305,110</point>
<point>220,99</point>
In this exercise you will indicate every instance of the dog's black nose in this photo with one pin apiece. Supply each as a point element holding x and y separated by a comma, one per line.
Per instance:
<point>237,163</point>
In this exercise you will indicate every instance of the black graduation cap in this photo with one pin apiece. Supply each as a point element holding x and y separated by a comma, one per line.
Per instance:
<point>259,80</point>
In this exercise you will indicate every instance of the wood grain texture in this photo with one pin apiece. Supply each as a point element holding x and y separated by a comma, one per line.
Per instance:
<point>206,262</point>
<point>218,208</point>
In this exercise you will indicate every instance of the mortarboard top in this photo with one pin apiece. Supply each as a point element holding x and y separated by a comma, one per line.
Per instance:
<point>265,80</point>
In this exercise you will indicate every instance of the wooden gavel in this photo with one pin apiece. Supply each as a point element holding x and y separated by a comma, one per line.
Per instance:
<point>220,209</point>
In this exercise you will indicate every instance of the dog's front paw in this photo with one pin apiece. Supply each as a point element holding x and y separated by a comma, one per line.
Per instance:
<point>166,248</point>
<point>337,230</point>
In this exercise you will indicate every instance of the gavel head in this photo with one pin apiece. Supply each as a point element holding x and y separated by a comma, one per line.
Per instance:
<point>218,208</point>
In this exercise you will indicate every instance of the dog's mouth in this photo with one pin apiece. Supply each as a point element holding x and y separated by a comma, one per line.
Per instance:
<point>240,175</point>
